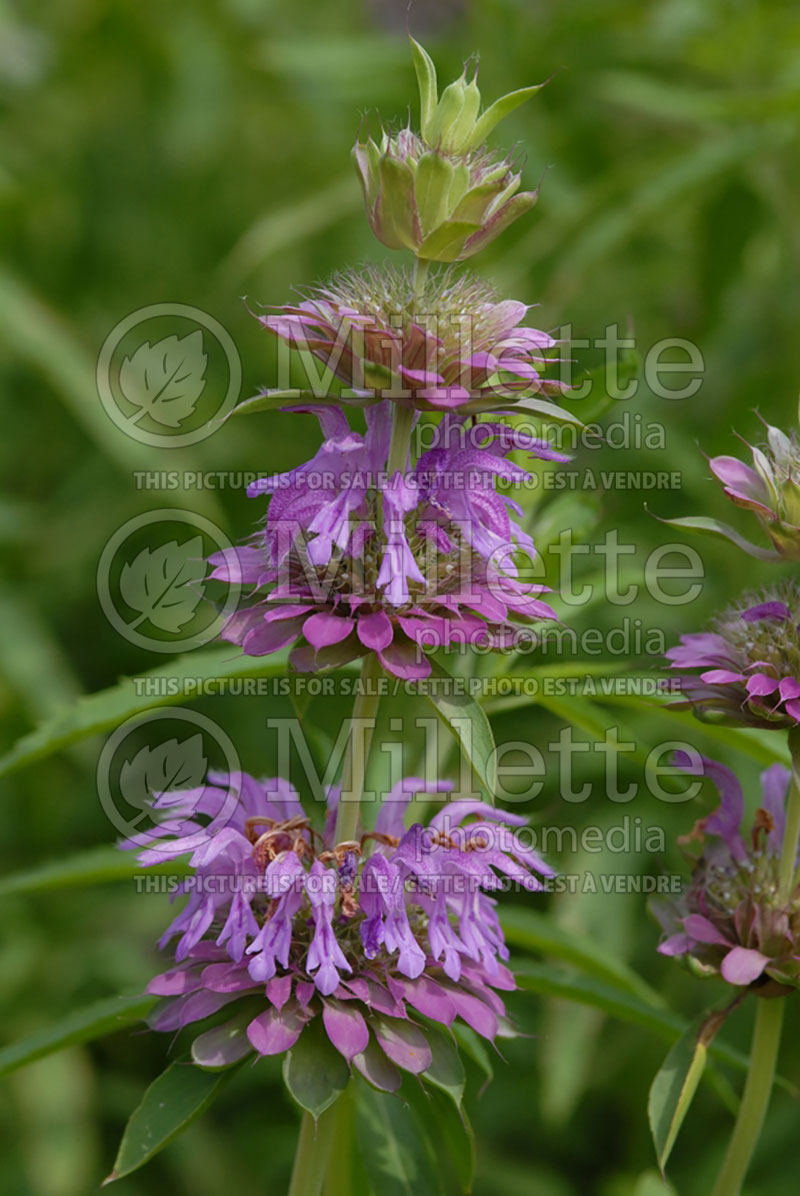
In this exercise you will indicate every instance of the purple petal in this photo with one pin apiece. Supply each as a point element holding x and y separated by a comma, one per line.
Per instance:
<point>766,610</point>
<point>375,630</point>
<point>727,818</point>
<point>703,931</point>
<point>676,944</point>
<point>276,1030</point>
<point>721,677</point>
<point>279,989</point>
<point>743,965</point>
<point>404,1043</point>
<point>774,785</point>
<point>427,996</point>
<point>323,629</point>
<point>346,1028</point>
<point>760,685</point>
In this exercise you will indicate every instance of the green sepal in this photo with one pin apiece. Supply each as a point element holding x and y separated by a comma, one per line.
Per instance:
<point>498,111</point>
<point>398,226</point>
<point>426,81</point>
<point>446,243</point>
<point>434,178</point>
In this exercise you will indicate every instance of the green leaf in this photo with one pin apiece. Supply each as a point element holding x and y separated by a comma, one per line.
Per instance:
<point>97,866</point>
<point>537,932</point>
<point>714,527</point>
<point>650,1183</point>
<point>451,1136</point>
<point>473,1046</point>
<point>426,81</point>
<point>554,982</point>
<point>277,400</point>
<point>508,404</point>
<point>466,719</point>
<point>673,1089</point>
<point>446,1070</point>
<point>84,1025</point>
<point>498,111</point>
<point>181,680</point>
<point>398,1155</point>
<point>170,1104</point>
<point>314,1071</point>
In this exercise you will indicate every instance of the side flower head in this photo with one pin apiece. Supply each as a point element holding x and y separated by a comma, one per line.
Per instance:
<point>441,193</point>
<point>731,919</point>
<point>749,662</point>
<point>377,937</point>
<point>453,345</point>
<point>770,488</point>
<point>353,561</point>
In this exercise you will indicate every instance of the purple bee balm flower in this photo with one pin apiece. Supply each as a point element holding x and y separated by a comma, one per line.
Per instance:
<point>367,934</point>
<point>750,662</point>
<point>730,920</point>
<point>452,346</point>
<point>352,561</point>
<point>770,488</point>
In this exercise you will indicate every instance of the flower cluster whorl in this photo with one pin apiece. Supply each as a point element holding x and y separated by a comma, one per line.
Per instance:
<point>369,934</point>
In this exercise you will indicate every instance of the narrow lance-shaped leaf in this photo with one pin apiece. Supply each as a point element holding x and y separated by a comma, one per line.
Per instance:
<point>548,981</point>
<point>467,721</point>
<point>528,929</point>
<point>703,525</point>
<point>279,400</point>
<point>170,1104</point>
<point>180,680</point>
<point>84,1025</point>
<point>673,1089</point>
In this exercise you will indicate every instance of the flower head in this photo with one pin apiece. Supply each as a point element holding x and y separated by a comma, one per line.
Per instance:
<point>770,488</point>
<point>442,193</point>
<point>452,345</point>
<point>353,561</point>
<point>374,936</point>
<point>731,918</point>
<point>750,662</point>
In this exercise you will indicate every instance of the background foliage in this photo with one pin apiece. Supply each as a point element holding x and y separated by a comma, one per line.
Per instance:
<point>197,151</point>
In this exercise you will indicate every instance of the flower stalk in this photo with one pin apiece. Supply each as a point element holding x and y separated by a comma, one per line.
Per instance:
<point>791,839</point>
<point>311,1155</point>
<point>362,724</point>
<point>755,1100</point>
<point>769,1017</point>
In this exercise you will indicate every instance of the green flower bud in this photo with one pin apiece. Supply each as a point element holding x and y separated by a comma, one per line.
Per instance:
<point>442,194</point>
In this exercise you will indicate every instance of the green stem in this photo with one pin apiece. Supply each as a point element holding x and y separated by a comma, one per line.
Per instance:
<point>791,835</point>
<point>421,267</point>
<point>339,1179</point>
<point>757,1090</point>
<point>402,426</point>
<point>311,1156</point>
<point>365,709</point>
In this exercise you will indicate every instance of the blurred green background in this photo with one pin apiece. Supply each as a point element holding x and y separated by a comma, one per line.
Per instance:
<point>197,152</point>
